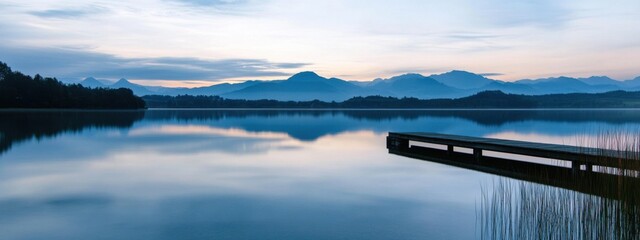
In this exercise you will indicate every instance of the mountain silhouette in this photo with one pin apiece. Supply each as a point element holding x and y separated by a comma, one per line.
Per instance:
<point>217,89</point>
<point>599,80</point>
<point>565,85</point>
<point>509,87</point>
<point>136,88</point>
<point>91,82</point>
<point>306,86</point>
<point>633,83</point>
<point>462,79</point>
<point>299,87</point>
<point>414,85</point>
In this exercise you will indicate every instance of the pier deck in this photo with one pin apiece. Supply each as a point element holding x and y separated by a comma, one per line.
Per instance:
<point>578,156</point>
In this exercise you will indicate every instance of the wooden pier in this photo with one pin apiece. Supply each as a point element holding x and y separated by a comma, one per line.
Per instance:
<point>578,156</point>
<point>599,183</point>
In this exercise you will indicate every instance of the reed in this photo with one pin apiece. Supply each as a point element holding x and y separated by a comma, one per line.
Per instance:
<point>513,209</point>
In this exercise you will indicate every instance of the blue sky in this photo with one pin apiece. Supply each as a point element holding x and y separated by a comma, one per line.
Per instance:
<point>200,42</point>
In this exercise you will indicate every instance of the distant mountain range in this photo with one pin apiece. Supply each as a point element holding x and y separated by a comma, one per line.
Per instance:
<point>307,86</point>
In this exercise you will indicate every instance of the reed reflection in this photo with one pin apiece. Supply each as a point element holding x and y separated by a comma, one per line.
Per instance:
<point>512,209</point>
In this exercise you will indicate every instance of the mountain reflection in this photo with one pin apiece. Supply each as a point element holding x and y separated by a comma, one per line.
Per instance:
<point>273,173</point>
<point>483,117</point>
<point>310,125</point>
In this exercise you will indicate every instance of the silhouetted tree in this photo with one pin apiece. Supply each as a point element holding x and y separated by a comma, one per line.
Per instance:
<point>21,91</point>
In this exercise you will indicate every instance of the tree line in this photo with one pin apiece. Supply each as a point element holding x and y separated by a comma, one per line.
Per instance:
<point>483,100</point>
<point>18,90</point>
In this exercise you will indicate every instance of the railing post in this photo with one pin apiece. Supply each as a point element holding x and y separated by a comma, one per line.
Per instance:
<point>395,143</point>
<point>449,150</point>
<point>575,166</point>
<point>477,154</point>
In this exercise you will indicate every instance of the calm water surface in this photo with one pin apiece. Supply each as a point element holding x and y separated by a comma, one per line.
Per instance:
<point>253,174</point>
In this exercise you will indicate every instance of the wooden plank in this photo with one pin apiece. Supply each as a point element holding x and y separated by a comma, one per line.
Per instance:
<point>472,142</point>
<point>583,155</point>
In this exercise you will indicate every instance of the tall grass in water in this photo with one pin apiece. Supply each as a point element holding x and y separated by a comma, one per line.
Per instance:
<point>513,209</point>
<point>625,148</point>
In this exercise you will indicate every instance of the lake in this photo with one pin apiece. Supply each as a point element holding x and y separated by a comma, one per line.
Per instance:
<point>255,174</point>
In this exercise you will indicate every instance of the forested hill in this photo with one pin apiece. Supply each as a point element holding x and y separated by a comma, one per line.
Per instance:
<point>21,91</point>
<point>487,99</point>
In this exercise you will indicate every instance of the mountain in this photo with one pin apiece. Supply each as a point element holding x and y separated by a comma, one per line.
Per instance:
<point>564,85</point>
<point>600,80</point>
<point>413,85</point>
<point>299,87</point>
<point>306,86</point>
<point>172,91</point>
<point>462,79</point>
<point>559,85</point>
<point>363,83</point>
<point>633,83</point>
<point>216,89</point>
<point>91,82</point>
<point>223,88</point>
<point>307,76</point>
<point>136,88</point>
<point>508,87</point>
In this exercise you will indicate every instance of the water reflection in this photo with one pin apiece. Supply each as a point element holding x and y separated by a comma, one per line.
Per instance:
<point>310,125</point>
<point>18,126</point>
<point>305,190</point>
<point>268,174</point>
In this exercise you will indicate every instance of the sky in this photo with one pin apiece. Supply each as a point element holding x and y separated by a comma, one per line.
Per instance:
<point>203,42</point>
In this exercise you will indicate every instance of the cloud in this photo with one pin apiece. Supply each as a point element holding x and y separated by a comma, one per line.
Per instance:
<point>359,38</point>
<point>490,74</point>
<point>211,2</point>
<point>543,13</point>
<point>79,62</point>
<point>471,36</point>
<point>290,65</point>
<point>401,71</point>
<point>216,7</point>
<point>59,13</point>
<point>69,12</point>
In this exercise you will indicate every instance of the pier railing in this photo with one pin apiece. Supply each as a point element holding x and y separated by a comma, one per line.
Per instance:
<point>580,157</point>
<point>441,148</point>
